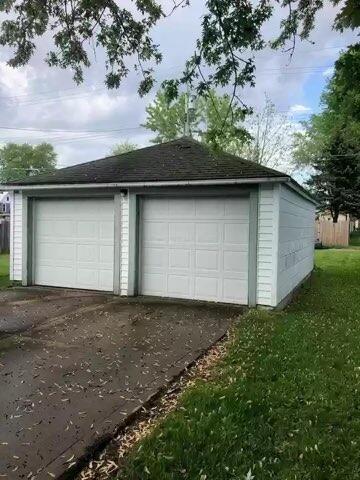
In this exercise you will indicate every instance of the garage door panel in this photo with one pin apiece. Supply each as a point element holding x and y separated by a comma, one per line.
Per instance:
<point>209,207</point>
<point>179,258</point>
<point>87,277</point>
<point>87,253</point>
<point>86,229</point>
<point>155,232</point>
<point>105,280</point>
<point>107,230</point>
<point>234,290</point>
<point>206,288</point>
<point>207,233</point>
<point>198,250</point>
<point>75,247</point>
<point>237,208</point>
<point>206,260</point>
<point>61,228</point>
<point>62,276</point>
<point>154,283</point>
<point>153,257</point>
<point>49,251</point>
<point>236,233</point>
<point>181,232</point>
<point>155,208</point>
<point>181,208</point>
<point>178,285</point>
<point>106,255</point>
<point>235,261</point>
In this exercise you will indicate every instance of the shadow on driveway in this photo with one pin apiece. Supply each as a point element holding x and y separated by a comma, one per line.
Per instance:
<point>74,365</point>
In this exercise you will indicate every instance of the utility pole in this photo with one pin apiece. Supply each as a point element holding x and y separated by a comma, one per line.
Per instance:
<point>190,110</point>
<point>187,129</point>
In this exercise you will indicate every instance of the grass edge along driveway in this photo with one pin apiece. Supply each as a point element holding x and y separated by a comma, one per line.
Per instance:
<point>4,271</point>
<point>285,401</point>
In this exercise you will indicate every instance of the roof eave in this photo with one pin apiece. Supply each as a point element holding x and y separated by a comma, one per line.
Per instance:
<point>226,181</point>
<point>233,181</point>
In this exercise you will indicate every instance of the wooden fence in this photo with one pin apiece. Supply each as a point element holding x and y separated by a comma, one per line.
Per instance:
<point>331,234</point>
<point>4,235</point>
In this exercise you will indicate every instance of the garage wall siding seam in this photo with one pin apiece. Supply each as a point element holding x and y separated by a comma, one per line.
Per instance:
<point>16,238</point>
<point>296,241</point>
<point>265,251</point>
<point>124,251</point>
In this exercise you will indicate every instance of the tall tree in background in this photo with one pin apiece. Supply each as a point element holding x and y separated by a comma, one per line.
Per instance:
<point>168,119</point>
<point>330,143</point>
<point>228,31</point>
<point>124,147</point>
<point>19,161</point>
<point>336,178</point>
<point>223,123</point>
<point>212,120</point>
<point>271,132</point>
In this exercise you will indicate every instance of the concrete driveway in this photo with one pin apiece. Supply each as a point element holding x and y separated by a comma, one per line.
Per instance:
<point>74,365</point>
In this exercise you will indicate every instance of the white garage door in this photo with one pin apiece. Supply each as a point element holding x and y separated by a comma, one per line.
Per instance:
<point>74,243</point>
<point>195,248</point>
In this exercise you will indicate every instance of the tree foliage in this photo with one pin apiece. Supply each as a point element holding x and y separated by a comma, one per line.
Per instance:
<point>229,29</point>
<point>19,161</point>
<point>123,147</point>
<point>336,181</point>
<point>168,118</point>
<point>330,142</point>
<point>209,120</point>
<point>271,137</point>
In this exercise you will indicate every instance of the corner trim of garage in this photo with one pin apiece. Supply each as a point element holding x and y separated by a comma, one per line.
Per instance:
<point>133,243</point>
<point>253,240</point>
<point>26,240</point>
<point>117,242</point>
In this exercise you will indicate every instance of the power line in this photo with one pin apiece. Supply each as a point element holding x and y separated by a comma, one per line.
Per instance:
<point>41,101</point>
<point>46,92</point>
<point>33,96</point>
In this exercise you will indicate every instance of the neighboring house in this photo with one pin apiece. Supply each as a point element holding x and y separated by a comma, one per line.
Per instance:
<point>4,204</point>
<point>171,220</point>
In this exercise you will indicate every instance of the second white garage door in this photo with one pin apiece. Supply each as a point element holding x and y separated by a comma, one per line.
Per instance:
<point>74,243</point>
<point>195,248</point>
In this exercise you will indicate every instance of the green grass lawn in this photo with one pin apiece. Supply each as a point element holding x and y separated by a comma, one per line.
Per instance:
<point>285,401</point>
<point>4,271</point>
<point>355,239</point>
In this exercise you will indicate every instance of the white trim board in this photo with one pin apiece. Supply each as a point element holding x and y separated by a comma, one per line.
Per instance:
<point>235,181</point>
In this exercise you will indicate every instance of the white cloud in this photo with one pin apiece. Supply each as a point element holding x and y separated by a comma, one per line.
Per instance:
<point>15,81</point>
<point>95,107</point>
<point>299,109</point>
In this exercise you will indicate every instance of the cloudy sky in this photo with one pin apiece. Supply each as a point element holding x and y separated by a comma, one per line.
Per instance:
<point>42,104</point>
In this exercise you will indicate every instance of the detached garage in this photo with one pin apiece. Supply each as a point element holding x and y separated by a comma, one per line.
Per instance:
<point>172,220</point>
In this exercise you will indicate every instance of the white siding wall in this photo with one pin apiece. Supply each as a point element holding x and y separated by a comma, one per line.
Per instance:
<point>124,251</point>
<point>267,241</point>
<point>296,240</point>
<point>16,237</point>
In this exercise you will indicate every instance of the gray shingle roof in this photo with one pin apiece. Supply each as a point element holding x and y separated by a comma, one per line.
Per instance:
<point>183,159</point>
